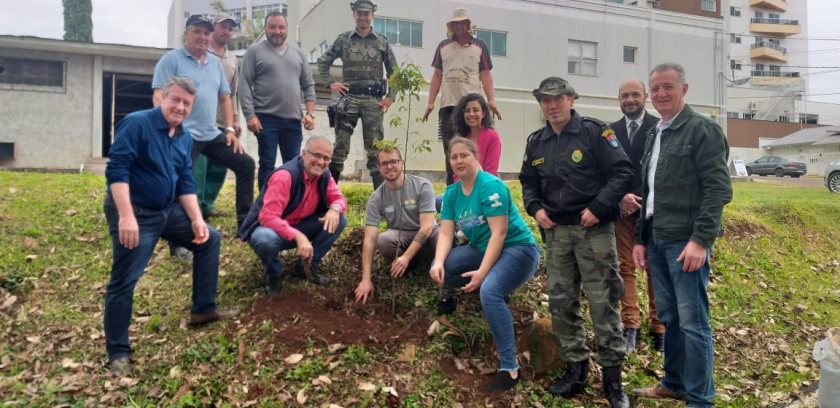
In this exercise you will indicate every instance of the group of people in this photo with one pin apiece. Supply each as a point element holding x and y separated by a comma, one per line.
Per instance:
<point>642,193</point>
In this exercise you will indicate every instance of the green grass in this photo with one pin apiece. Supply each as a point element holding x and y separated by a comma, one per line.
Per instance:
<point>774,293</point>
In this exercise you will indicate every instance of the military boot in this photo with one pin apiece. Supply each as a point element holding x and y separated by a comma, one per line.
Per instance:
<point>613,388</point>
<point>572,382</point>
<point>377,180</point>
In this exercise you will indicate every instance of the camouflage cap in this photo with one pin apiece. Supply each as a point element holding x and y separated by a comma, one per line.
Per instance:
<point>554,86</point>
<point>363,5</point>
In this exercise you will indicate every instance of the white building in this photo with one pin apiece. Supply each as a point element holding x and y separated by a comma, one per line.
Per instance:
<point>594,44</point>
<point>242,10</point>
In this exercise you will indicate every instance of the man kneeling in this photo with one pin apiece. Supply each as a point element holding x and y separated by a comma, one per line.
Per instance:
<point>297,208</point>
<point>407,203</point>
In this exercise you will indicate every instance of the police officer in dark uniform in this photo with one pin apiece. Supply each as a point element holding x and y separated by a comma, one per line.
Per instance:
<point>573,176</point>
<point>363,54</point>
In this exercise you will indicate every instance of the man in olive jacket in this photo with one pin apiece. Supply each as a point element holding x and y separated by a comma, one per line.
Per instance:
<point>685,184</point>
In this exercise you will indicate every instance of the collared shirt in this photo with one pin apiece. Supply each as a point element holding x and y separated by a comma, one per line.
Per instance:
<point>229,64</point>
<point>277,196</point>
<point>639,121</point>
<point>461,66</point>
<point>210,81</point>
<point>654,159</point>
<point>156,166</point>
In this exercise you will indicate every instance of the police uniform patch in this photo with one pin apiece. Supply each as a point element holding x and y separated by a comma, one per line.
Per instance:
<point>538,161</point>
<point>577,156</point>
<point>371,52</point>
<point>609,134</point>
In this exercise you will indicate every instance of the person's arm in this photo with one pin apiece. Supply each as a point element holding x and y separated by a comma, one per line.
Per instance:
<point>247,77</point>
<point>390,63</point>
<point>234,101</point>
<point>444,246</point>
<point>710,158</point>
<point>274,203</point>
<point>165,68</point>
<point>326,60</point>
<point>122,155</point>
<point>129,232</point>
<point>531,181</point>
<point>334,195</point>
<point>157,97</point>
<point>618,169</point>
<point>434,88</point>
<point>486,79</point>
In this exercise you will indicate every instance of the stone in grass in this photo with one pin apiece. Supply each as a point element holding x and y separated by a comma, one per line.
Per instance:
<point>542,347</point>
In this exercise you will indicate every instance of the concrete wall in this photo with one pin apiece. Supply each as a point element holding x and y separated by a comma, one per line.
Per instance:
<point>537,41</point>
<point>50,129</point>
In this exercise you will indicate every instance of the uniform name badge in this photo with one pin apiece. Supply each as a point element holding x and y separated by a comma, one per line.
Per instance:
<point>538,161</point>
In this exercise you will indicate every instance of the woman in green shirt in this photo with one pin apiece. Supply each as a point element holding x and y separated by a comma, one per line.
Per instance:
<point>502,254</point>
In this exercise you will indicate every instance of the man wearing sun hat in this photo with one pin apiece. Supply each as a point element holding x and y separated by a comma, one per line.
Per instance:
<point>462,66</point>
<point>573,176</point>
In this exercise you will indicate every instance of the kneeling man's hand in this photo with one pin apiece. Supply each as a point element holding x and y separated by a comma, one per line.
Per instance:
<point>399,266</point>
<point>364,290</point>
<point>330,220</point>
<point>304,247</point>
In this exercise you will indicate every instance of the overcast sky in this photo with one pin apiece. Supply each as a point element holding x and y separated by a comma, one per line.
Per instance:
<point>143,22</point>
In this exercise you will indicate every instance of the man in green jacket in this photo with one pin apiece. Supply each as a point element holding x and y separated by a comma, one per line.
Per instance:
<point>685,184</point>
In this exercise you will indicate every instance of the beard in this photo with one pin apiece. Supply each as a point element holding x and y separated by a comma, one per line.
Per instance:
<point>632,111</point>
<point>277,40</point>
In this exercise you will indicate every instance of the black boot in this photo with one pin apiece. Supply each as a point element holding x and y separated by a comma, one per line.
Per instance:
<point>335,175</point>
<point>572,382</point>
<point>448,300</point>
<point>613,388</point>
<point>377,180</point>
<point>659,342</point>
<point>273,284</point>
<point>630,338</point>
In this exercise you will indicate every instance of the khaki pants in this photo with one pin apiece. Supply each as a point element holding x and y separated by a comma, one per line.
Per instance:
<point>630,301</point>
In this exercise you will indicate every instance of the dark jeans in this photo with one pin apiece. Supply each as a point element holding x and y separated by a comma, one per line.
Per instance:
<point>446,132</point>
<point>276,131</point>
<point>242,165</point>
<point>267,244</point>
<point>172,224</point>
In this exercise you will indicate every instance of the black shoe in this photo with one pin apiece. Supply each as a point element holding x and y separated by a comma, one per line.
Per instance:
<point>318,278</point>
<point>630,338</point>
<point>572,382</point>
<point>503,382</point>
<point>180,252</point>
<point>613,388</point>
<point>658,342</point>
<point>120,367</point>
<point>447,306</point>
<point>273,284</point>
<point>507,300</point>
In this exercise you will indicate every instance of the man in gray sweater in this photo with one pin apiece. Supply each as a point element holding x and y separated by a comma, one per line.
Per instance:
<point>274,73</point>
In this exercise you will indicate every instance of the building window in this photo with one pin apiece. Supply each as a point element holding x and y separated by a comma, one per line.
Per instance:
<point>630,54</point>
<point>400,32</point>
<point>735,11</point>
<point>237,13</point>
<point>259,12</point>
<point>496,40</point>
<point>735,65</point>
<point>732,115</point>
<point>734,39</point>
<point>32,74</point>
<point>707,5</point>
<point>749,115</point>
<point>784,119</point>
<point>583,58</point>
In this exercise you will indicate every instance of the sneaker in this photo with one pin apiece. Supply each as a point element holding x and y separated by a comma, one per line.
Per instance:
<point>448,300</point>
<point>273,284</point>
<point>503,382</point>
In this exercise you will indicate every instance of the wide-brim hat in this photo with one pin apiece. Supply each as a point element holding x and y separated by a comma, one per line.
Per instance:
<point>460,14</point>
<point>554,86</point>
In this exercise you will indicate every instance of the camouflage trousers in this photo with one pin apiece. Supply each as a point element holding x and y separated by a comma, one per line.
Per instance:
<point>348,113</point>
<point>575,255</point>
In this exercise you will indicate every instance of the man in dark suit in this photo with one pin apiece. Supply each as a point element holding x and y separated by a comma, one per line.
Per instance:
<point>631,131</point>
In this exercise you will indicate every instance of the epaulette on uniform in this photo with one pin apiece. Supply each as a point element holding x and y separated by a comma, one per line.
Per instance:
<point>534,133</point>
<point>596,121</point>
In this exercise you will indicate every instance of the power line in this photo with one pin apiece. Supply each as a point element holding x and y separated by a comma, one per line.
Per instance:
<point>774,97</point>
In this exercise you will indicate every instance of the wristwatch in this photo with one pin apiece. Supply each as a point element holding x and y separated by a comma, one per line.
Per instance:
<point>230,130</point>
<point>310,114</point>
<point>336,207</point>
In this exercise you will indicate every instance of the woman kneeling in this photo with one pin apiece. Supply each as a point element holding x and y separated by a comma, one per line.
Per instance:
<point>502,254</point>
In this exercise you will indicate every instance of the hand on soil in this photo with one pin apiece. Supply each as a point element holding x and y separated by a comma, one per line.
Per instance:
<point>364,290</point>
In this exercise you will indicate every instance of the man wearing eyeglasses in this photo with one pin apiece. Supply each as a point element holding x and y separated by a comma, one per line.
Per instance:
<point>300,207</point>
<point>407,204</point>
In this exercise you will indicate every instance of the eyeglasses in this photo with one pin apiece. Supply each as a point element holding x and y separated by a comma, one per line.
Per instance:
<point>390,163</point>
<point>320,156</point>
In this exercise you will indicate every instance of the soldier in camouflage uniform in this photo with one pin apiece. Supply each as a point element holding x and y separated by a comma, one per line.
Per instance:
<point>363,54</point>
<point>573,176</point>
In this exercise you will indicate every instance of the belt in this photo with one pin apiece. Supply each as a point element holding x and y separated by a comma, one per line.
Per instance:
<point>362,90</point>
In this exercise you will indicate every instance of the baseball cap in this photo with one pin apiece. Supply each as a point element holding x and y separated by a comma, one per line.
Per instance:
<point>224,16</point>
<point>554,86</point>
<point>362,5</point>
<point>200,19</point>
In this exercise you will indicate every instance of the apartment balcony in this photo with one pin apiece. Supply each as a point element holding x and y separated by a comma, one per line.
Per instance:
<point>775,27</point>
<point>774,78</point>
<point>766,50</point>
<point>778,5</point>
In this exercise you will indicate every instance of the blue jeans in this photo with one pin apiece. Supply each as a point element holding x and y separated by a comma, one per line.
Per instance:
<point>171,224</point>
<point>276,131</point>
<point>683,307</point>
<point>439,202</point>
<point>515,266</point>
<point>267,243</point>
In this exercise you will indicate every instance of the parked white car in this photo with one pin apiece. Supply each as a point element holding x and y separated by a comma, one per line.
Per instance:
<point>832,177</point>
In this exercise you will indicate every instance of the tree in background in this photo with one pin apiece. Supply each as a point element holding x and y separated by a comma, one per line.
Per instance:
<point>78,24</point>
<point>249,28</point>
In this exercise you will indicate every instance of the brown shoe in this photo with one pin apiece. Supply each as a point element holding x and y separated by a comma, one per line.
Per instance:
<point>120,367</point>
<point>657,392</point>
<point>204,318</point>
